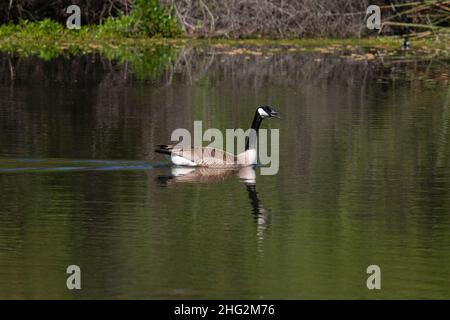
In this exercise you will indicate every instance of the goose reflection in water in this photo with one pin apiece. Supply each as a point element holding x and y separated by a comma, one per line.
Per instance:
<point>210,175</point>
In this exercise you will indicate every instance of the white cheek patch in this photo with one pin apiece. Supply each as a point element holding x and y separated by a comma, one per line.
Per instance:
<point>262,113</point>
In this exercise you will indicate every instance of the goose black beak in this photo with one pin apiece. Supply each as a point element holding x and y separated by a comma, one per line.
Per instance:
<point>275,114</point>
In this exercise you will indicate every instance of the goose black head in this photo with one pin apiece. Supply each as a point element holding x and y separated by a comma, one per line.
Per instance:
<point>267,111</point>
<point>261,113</point>
<point>406,45</point>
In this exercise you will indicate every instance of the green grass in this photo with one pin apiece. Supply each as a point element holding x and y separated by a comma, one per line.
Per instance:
<point>48,39</point>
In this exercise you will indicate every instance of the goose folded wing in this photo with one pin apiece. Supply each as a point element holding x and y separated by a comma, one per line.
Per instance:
<point>207,156</point>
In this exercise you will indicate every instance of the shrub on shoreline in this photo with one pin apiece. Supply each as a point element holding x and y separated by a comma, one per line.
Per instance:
<point>240,19</point>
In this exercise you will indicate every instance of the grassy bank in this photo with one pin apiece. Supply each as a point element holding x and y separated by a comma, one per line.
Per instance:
<point>48,39</point>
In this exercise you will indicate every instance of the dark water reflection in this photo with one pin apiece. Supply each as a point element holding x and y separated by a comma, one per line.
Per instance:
<point>364,179</point>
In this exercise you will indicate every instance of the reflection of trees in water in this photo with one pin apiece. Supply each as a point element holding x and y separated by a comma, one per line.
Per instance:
<point>89,106</point>
<point>260,65</point>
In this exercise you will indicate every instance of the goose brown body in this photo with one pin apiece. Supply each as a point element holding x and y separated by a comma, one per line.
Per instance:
<point>200,156</point>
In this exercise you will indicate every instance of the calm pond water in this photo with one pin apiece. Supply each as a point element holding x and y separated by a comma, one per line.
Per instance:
<point>364,177</point>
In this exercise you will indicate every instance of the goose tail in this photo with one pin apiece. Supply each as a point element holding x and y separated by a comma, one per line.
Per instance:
<point>164,149</point>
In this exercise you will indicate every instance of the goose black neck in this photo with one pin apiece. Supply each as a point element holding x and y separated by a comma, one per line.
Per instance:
<point>257,119</point>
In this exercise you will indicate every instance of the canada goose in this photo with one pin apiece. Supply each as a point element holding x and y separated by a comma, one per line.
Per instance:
<point>406,45</point>
<point>216,158</point>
